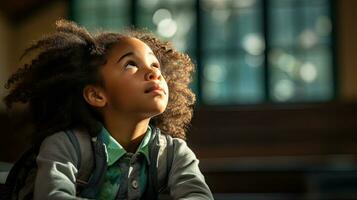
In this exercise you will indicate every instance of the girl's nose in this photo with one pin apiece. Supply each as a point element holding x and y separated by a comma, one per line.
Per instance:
<point>153,74</point>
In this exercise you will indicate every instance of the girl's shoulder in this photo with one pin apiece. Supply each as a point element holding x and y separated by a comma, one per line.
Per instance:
<point>65,137</point>
<point>57,139</point>
<point>60,145</point>
<point>176,148</point>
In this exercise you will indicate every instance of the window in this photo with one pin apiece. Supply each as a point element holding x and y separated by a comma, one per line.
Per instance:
<point>232,52</point>
<point>105,14</point>
<point>247,51</point>
<point>300,50</point>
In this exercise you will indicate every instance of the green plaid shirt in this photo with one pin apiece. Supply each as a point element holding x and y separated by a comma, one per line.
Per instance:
<point>126,173</point>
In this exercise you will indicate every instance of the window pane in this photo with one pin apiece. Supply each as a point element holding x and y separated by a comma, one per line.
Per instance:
<point>173,20</point>
<point>225,23</point>
<point>106,14</point>
<point>232,79</point>
<point>301,76</point>
<point>300,60</point>
<point>232,52</point>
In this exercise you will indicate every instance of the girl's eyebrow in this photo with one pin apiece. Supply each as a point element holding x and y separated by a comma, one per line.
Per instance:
<point>131,53</point>
<point>127,54</point>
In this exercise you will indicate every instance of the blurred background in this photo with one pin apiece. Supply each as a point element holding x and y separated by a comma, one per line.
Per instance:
<point>276,83</point>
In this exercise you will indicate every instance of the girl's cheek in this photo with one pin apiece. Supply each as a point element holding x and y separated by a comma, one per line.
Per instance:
<point>167,87</point>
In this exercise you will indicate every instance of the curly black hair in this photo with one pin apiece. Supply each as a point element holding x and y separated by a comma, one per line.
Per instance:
<point>70,58</point>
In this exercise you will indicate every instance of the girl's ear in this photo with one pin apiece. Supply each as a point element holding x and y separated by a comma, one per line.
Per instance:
<point>94,96</point>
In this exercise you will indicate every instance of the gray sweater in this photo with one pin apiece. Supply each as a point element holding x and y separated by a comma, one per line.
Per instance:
<point>57,171</point>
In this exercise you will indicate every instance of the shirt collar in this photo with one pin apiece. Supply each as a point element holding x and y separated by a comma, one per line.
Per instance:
<point>115,151</point>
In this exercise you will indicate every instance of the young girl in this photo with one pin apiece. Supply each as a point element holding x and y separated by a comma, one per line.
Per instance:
<point>118,90</point>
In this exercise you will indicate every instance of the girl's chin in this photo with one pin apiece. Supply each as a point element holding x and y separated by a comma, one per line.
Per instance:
<point>156,112</point>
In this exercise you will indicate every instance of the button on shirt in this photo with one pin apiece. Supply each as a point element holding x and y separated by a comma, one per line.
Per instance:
<point>126,174</point>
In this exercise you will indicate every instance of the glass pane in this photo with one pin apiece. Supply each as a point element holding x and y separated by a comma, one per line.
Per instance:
<point>232,79</point>
<point>233,52</point>
<point>294,22</point>
<point>173,20</point>
<point>301,76</point>
<point>283,28</point>
<point>318,21</point>
<point>300,60</point>
<point>111,15</point>
<point>225,23</point>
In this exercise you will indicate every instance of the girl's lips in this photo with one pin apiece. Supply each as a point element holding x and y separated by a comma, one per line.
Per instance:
<point>155,88</point>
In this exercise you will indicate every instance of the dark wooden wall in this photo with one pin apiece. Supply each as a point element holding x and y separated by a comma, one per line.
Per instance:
<point>275,130</point>
<point>278,149</point>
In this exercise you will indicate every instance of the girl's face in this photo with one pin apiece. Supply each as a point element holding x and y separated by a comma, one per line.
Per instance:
<point>133,83</point>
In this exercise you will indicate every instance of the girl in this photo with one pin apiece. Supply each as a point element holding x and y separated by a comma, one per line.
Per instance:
<point>118,90</point>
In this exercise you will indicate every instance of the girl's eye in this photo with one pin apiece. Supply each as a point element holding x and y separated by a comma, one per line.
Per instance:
<point>130,65</point>
<point>156,65</point>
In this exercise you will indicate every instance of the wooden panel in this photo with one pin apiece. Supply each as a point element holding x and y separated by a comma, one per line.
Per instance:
<point>275,130</point>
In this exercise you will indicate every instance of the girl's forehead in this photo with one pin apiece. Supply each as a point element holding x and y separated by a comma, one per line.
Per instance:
<point>131,44</point>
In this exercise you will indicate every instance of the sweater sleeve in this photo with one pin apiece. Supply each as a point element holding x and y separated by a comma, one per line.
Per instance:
<point>57,169</point>
<point>185,179</point>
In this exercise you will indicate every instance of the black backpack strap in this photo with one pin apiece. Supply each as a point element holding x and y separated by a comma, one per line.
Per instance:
<point>161,150</point>
<point>97,175</point>
<point>72,137</point>
<point>83,145</point>
<point>93,163</point>
<point>152,176</point>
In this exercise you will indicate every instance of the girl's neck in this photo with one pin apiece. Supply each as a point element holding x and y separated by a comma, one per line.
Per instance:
<point>126,131</point>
